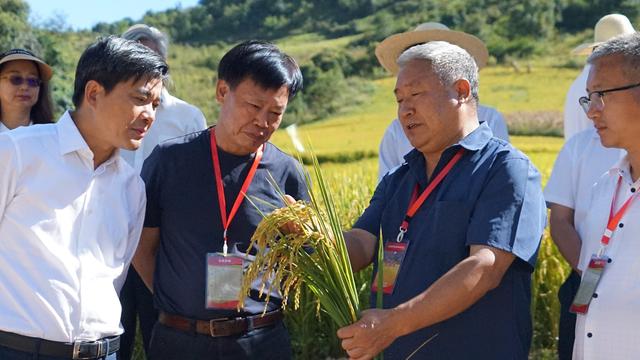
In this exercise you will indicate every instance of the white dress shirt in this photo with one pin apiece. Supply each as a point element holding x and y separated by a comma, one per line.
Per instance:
<point>610,328</point>
<point>174,118</point>
<point>395,144</point>
<point>575,119</point>
<point>67,234</point>
<point>580,163</point>
<point>4,128</point>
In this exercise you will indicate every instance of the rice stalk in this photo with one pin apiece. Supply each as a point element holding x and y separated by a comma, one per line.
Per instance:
<point>313,255</point>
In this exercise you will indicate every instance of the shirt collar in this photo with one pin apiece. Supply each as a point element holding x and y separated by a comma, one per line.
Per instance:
<point>72,141</point>
<point>477,139</point>
<point>3,128</point>
<point>474,141</point>
<point>622,168</point>
<point>69,136</point>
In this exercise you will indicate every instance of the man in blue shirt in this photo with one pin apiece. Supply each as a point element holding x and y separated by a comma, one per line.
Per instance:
<point>472,244</point>
<point>196,209</point>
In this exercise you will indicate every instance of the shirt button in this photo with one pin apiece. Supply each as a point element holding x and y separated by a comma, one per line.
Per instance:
<point>589,335</point>
<point>633,189</point>
<point>609,260</point>
<point>595,295</point>
<point>621,225</point>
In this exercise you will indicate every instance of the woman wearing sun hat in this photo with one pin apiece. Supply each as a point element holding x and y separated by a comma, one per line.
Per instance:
<point>24,92</point>
<point>394,144</point>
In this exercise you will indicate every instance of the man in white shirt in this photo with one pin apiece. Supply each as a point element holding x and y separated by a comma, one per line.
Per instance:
<point>71,209</point>
<point>395,145</point>
<point>174,118</point>
<point>609,26</point>
<point>580,163</point>
<point>608,327</point>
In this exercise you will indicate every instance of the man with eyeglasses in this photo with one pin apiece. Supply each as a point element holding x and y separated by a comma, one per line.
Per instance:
<point>578,166</point>
<point>608,299</point>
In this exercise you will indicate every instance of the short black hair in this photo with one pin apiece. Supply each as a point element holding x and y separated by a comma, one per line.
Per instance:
<point>112,60</point>
<point>263,63</point>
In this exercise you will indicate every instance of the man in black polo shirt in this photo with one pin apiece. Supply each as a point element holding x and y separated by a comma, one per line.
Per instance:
<point>190,225</point>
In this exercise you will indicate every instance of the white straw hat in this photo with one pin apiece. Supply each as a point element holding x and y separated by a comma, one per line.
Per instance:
<point>390,48</point>
<point>21,54</point>
<point>608,26</point>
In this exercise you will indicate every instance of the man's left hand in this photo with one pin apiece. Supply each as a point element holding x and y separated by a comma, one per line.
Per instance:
<point>370,335</point>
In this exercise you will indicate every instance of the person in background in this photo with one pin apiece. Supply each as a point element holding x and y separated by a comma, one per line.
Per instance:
<point>395,145</point>
<point>580,163</point>
<point>606,28</point>
<point>174,118</point>
<point>72,210</point>
<point>608,298</point>
<point>25,98</point>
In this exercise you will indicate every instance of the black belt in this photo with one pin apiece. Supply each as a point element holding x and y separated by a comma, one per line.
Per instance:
<point>76,350</point>
<point>220,327</point>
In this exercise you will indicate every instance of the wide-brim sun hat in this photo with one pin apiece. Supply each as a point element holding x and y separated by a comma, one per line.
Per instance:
<point>608,27</point>
<point>21,54</point>
<point>392,47</point>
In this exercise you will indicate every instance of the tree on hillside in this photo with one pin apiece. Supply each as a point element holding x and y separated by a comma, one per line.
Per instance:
<point>578,15</point>
<point>15,30</point>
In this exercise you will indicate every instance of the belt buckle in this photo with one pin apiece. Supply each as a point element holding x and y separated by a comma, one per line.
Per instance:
<point>77,350</point>
<point>211,326</point>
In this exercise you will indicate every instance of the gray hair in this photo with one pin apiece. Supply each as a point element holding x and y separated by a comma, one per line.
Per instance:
<point>449,62</point>
<point>144,32</point>
<point>627,46</point>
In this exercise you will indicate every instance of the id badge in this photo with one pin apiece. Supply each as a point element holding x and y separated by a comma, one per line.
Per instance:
<point>224,281</point>
<point>394,253</point>
<point>588,285</point>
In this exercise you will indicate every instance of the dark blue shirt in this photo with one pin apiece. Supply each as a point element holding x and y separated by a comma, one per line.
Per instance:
<point>492,197</point>
<point>182,201</point>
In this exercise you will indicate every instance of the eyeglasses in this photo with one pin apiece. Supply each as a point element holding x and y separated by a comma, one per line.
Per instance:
<point>18,80</point>
<point>598,100</point>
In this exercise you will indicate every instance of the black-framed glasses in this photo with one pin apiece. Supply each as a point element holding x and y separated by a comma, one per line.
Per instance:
<point>585,101</point>
<point>18,80</point>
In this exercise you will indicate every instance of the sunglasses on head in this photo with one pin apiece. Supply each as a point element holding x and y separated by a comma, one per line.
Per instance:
<point>18,80</point>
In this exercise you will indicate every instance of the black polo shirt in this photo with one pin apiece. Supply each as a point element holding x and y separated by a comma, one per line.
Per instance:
<point>182,201</point>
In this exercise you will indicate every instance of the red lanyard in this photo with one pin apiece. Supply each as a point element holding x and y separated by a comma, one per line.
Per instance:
<point>614,218</point>
<point>415,204</point>
<point>226,220</point>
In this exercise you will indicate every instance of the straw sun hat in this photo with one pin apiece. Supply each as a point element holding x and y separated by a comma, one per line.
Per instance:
<point>20,54</point>
<point>390,48</point>
<point>608,26</point>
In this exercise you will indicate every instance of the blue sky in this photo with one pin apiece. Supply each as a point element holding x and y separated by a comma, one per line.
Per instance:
<point>81,14</point>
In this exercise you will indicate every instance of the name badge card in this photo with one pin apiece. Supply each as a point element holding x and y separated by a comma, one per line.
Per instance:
<point>224,280</point>
<point>394,253</point>
<point>588,285</point>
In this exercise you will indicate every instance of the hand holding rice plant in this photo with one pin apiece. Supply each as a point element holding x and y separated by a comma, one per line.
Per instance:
<point>315,255</point>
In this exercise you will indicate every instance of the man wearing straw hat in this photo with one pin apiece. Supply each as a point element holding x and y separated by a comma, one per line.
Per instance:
<point>395,145</point>
<point>461,222</point>
<point>581,161</point>
<point>606,28</point>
